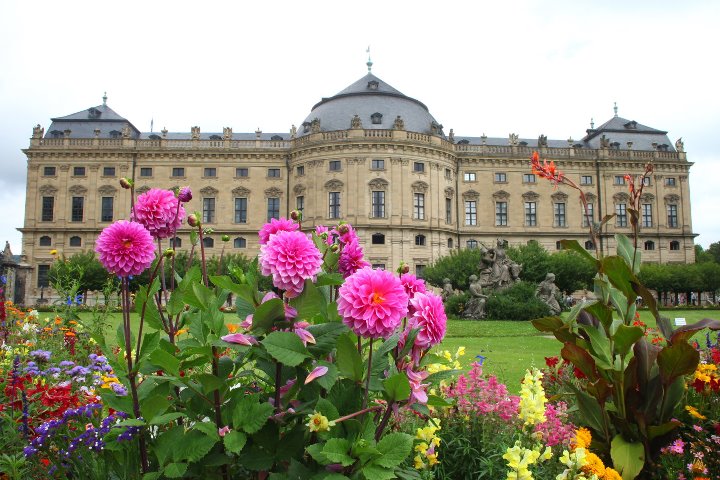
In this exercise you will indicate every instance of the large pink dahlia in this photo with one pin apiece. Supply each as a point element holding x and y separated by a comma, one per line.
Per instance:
<point>429,316</point>
<point>351,259</point>
<point>372,302</point>
<point>290,257</point>
<point>157,210</point>
<point>275,226</point>
<point>125,248</point>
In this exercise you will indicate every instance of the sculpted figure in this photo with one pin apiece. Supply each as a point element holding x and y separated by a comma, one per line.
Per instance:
<point>356,122</point>
<point>38,131</point>
<point>547,291</point>
<point>475,307</point>
<point>679,145</point>
<point>399,123</point>
<point>447,290</point>
<point>514,137</point>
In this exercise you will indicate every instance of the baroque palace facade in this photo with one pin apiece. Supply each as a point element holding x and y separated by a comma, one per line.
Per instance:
<point>368,155</point>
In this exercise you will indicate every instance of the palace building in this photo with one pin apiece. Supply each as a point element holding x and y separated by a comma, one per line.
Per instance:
<point>370,156</point>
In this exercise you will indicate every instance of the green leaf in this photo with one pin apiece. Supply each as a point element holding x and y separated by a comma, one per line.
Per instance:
<point>677,360</point>
<point>336,451</point>
<point>326,335</point>
<point>333,279</point>
<point>166,418</point>
<point>395,448</point>
<point>655,431</point>
<point>376,472</point>
<point>167,362</point>
<point>267,314</point>
<point>685,332</point>
<point>175,304</point>
<point>628,457</point>
<point>620,276</point>
<point>234,441</point>
<point>208,428</point>
<point>199,296</point>
<point>315,451</point>
<point>327,408</point>
<point>194,446</point>
<point>548,324</point>
<point>628,252</point>
<point>310,302</point>
<point>592,414</point>
<point>226,283</point>
<point>286,348</point>
<point>328,380</point>
<point>149,344</point>
<point>625,337</point>
<point>175,470</point>
<point>397,387</point>
<point>581,359</point>
<point>249,415</point>
<point>600,346</point>
<point>153,406</point>
<point>210,382</point>
<point>348,359</point>
<point>575,246</point>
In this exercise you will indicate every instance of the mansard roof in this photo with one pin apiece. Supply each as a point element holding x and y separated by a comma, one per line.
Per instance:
<point>83,124</point>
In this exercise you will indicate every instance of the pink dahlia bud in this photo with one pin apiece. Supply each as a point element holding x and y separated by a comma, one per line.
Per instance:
<point>159,211</point>
<point>295,215</point>
<point>343,229</point>
<point>125,248</point>
<point>404,268</point>
<point>429,316</point>
<point>126,183</point>
<point>291,258</point>
<point>275,226</point>
<point>372,303</point>
<point>193,220</point>
<point>185,194</point>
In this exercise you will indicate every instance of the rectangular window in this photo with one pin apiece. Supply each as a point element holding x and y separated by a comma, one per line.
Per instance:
<point>419,270</point>
<point>78,171</point>
<point>300,170</point>
<point>646,181</point>
<point>501,214</point>
<point>500,177</point>
<point>647,215</point>
<point>469,176</point>
<point>76,211</point>
<point>273,210</point>
<point>378,164</point>
<point>528,178</point>
<point>208,210</point>
<point>178,172</point>
<point>106,209</point>
<point>670,182</point>
<point>559,210</point>
<point>586,180</point>
<point>589,215</point>
<point>43,278</point>
<point>48,207</point>
<point>108,171</point>
<point>672,216</point>
<point>448,174</point>
<point>531,214</point>
<point>210,172</point>
<point>146,171</point>
<point>418,167</point>
<point>621,215</point>
<point>300,204</point>
<point>241,172</point>
<point>470,212</point>
<point>419,206</point>
<point>619,179</point>
<point>241,210</point>
<point>448,210</point>
<point>378,204</point>
<point>335,165</point>
<point>273,172</point>
<point>334,204</point>
<point>49,171</point>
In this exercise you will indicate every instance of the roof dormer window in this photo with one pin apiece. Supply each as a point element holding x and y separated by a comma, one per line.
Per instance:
<point>276,138</point>
<point>376,117</point>
<point>94,113</point>
<point>154,137</point>
<point>615,145</point>
<point>115,134</point>
<point>215,137</point>
<point>464,141</point>
<point>373,85</point>
<point>57,134</point>
<point>306,127</point>
<point>631,125</point>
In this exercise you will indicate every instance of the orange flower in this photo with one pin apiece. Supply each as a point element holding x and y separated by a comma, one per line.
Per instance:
<point>70,334</point>
<point>58,320</point>
<point>582,439</point>
<point>611,474</point>
<point>232,327</point>
<point>546,170</point>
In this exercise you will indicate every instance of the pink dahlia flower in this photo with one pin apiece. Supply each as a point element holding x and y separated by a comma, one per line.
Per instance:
<point>412,284</point>
<point>429,316</point>
<point>159,211</point>
<point>346,233</point>
<point>125,248</point>
<point>275,226</point>
<point>372,302</point>
<point>291,258</point>
<point>351,259</point>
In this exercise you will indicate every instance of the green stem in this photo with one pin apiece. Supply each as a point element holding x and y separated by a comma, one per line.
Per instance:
<point>369,373</point>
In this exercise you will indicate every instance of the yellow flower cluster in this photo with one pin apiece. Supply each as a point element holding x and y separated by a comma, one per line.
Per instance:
<point>706,372</point>
<point>582,464</point>
<point>452,362</point>
<point>532,398</point>
<point>426,448</point>
<point>317,422</point>
<point>582,439</point>
<point>520,458</point>
<point>694,412</point>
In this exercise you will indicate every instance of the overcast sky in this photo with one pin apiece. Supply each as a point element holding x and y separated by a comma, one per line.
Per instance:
<point>526,67</point>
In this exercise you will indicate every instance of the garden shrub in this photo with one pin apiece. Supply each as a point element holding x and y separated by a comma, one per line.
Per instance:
<point>517,302</point>
<point>455,305</point>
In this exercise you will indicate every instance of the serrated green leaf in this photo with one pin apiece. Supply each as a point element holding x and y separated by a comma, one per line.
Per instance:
<point>208,428</point>
<point>194,446</point>
<point>395,448</point>
<point>167,362</point>
<point>376,472</point>
<point>336,450</point>
<point>267,314</point>
<point>234,441</point>
<point>310,302</point>
<point>348,359</point>
<point>175,304</point>
<point>175,470</point>
<point>326,408</point>
<point>397,387</point>
<point>286,348</point>
<point>165,418</point>
<point>249,415</point>
<point>326,335</point>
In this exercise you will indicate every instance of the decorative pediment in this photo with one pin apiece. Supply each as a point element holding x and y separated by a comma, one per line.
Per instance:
<point>48,190</point>
<point>333,185</point>
<point>501,195</point>
<point>449,192</point>
<point>209,191</point>
<point>470,195</point>
<point>672,198</point>
<point>240,192</point>
<point>420,187</point>
<point>273,192</point>
<point>299,189</point>
<point>141,190</point>
<point>378,184</point>
<point>621,197</point>
<point>530,195</point>
<point>590,197</point>
<point>77,190</point>
<point>647,197</point>
<point>559,196</point>
<point>107,190</point>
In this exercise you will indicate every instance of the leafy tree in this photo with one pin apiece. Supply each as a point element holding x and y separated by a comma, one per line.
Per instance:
<point>85,268</point>
<point>572,271</point>
<point>458,266</point>
<point>714,250</point>
<point>702,256</point>
<point>535,261</point>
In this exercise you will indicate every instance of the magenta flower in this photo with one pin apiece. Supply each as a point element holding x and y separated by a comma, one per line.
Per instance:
<point>351,259</point>
<point>418,389</point>
<point>291,258</point>
<point>429,316</point>
<point>275,226</point>
<point>125,248</point>
<point>300,330</point>
<point>316,373</point>
<point>159,211</point>
<point>223,431</point>
<point>412,284</point>
<point>240,339</point>
<point>372,302</point>
<point>346,233</point>
<point>185,194</point>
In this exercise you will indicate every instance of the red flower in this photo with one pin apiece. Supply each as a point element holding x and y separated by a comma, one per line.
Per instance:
<point>578,373</point>
<point>551,361</point>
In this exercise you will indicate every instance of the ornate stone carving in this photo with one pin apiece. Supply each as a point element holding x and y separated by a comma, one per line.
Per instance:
<point>293,131</point>
<point>436,128</point>
<point>590,197</point>
<point>604,142</point>
<point>559,196</point>
<point>542,141</point>
<point>399,123</point>
<point>475,306</point>
<point>96,132</point>
<point>47,190</point>
<point>621,197</point>
<point>451,136</point>
<point>547,292</point>
<point>126,131</point>
<point>209,191</point>
<point>77,190</point>
<point>449,192</point>
<point>107,190</point>
<point>356,122</point>
<point>679,145</point>
<point>334,185</point>
<point>420,187</point>
<point>195,133</point>
<point>647,197</point>
<point>65,167</point>
<point>497,271</point>
<point>470,195</point>
<point>227,133</point>
<point>164,132</point>
<point>513,139</point>
<point>315,163</point>
<point>38,131</point>
<point>672,198</point>
<point>273,192</point>
<point>530,196</point>
<point>240,192</point>
<point>299,189</point>
<point>378,184</point>
<point>501,195</point>
<point>315,126</point>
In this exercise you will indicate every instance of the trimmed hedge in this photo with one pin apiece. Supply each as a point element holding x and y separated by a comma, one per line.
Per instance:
<point>517,302</point>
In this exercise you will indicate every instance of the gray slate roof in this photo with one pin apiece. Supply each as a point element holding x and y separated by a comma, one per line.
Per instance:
<point>82,124</point>
<point>621,131</point>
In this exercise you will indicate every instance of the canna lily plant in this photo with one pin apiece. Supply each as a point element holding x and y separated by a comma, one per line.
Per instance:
<point>633,386</point>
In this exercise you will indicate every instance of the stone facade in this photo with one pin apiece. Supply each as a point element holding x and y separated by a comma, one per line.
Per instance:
<point>413,193</point>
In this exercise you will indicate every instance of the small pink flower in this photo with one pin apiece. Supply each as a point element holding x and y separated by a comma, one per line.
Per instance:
<point>304,335</point>
<point>275,226</point>
<point>412,284</point>
<point>346,233</point>
<point>351,259</point>
<point>429,316</point>
<point>240,339</point>
<point>316,373</point>
<point>247,323</point>
<point>159,211</point>
<point>372,302</point>
<point>418,389</point>
<point>125,248</point>
<point>223,431</point>
<point>291,258</point>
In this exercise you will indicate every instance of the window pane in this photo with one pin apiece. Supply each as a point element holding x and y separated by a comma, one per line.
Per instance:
<point>501,213</point>
<point>273,172</point>
<point>241,210</point>
<point>48,206</point>
<point>560,215</point>
<point>109,171</point>
<point>471,212</point>
<point>106,211</point>
<point>208,210</point>
<point>418,167</point>
<point>334,205</point>
<point>79,171</point>
<point>419,206</point>
<point>378,164</point>
<point>78,204</point>
<point>273,208</point>
<point>210,172</point>
<point>672,216</point>
<point>621,215</point>
<point>146,172</point>
<point>241,172</point>
<point>448,210</point>
<point>49,171</point>
<point>300,203</point>
<point>43,280</point>
<point>378,204</point>
<point>335,165</point>
<point>300,170</point>
<point>530,214</point>
<point>178,172</point>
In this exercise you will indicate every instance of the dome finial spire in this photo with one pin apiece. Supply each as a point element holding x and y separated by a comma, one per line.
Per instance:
<point>105,98</point>
<point>615,108</point>
<point>369,62</point>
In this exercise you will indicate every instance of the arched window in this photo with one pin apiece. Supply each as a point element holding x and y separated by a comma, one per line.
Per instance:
<point>240,242</point>
<point>378,239</point>
<point>45,241</point>
<point>75,241</point>
<point>649,245</point>
<point>450,243</point>
<point>176,242</point>
<point>419,240</point>
<point>208,242</point>
<point>471,244</point>
<point>674,245</point>
<point>589,245</point>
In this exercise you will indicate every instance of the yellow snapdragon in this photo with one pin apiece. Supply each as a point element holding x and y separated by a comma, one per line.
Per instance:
<point>532,398</point>
<point>426,448</point>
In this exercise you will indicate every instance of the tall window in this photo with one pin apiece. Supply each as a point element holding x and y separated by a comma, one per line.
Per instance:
<point>300,204</point>
<point>674,245</point>
<point>649,245</point>
<point>48,205</point>
<point>448,210</point>
<point>45,241</point>
<point>530,214</point>
<point>43,279</point>
<point>378,204</point>
<point>621,215</point>
<point>470,212</point>
<point>501,214</point>
<point>77,210</point>
<point>106,209</point>
<point>273,210</point>
<point>241,210</point>
<point>450,243</point>
<point>672,216</point>
<point>647,215</point>
<point>208,210</point>
<point>419,206</point>
<point>178,172</point>
<point>334,205</point>
<point>208,242</point>
<point>300,170</point>
<point>560,214</point>
<point>240,242</point>
<point>420,240</point>
<point>589,215</point>
<point>448,174</point>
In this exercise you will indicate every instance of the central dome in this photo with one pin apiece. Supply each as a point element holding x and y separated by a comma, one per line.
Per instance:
<point>377,105</point>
